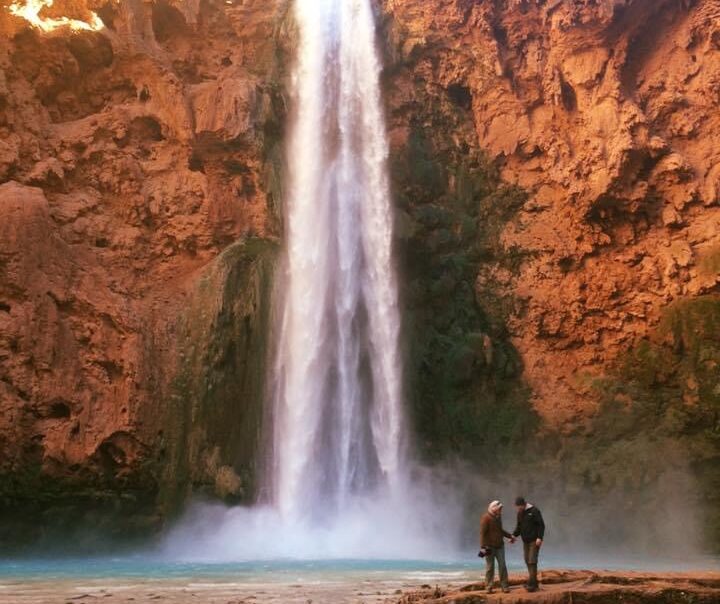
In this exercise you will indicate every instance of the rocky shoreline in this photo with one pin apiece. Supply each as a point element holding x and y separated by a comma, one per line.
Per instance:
<point>558,587</point>
<point>586,587</point>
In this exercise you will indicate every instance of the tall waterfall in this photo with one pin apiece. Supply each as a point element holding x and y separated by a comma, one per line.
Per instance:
<point>338,478</point>
<point>337,379</point>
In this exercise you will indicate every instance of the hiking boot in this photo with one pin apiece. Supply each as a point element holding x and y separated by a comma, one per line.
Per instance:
<point>506,590</point>
<point>531,588</point>
<point>490,590</point>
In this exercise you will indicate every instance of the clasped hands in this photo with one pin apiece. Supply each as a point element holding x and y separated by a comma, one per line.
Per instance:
<point>538,541</point>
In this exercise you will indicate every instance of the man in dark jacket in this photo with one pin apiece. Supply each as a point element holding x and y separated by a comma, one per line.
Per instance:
<point>492,544</point>
<point>531,527</point>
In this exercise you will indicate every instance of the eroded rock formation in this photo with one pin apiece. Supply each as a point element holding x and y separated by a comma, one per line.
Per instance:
<point>131,158</point>
<point>557,176</point>
<point>557,170</point>
<point>605,114</point>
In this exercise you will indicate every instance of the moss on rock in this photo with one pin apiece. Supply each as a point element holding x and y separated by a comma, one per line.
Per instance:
<point>41,510</point>
<point>218,394</point>
<point>654,443</point>
<point>466,390</point>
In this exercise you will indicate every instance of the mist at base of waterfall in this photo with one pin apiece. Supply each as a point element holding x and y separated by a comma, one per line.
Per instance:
<point>427,534</point>
<point>411,525</point>
<point>382,536</point>
<point>435,518</point>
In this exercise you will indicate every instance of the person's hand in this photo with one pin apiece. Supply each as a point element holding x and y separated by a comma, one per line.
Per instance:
<point>538,542</point>
<point>512,540</point>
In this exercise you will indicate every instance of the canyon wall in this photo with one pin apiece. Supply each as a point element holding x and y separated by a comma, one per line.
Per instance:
<point>140,168</point>
<point>557,175</point>
<point>557,172</point>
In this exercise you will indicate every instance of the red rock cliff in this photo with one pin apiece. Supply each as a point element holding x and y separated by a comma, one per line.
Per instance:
<point>557,174</point>
<point>130,159</point>
<point>562,158</point>
<point>606,113</point>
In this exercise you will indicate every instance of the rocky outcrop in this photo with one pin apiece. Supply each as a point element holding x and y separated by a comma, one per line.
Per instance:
<point>556,168</point>
<point>559,587</point>
<point>604,113</point>
<point>557,181</point>
<point>139,204</point>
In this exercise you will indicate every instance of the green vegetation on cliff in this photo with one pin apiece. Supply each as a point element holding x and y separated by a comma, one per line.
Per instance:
<point>661,407</point>
<point>216,414</point>
<point>467,394</point>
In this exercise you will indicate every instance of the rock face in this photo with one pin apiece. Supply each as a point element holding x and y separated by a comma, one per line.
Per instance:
<point>138,210</point>
<point>605,114</point>
<point>560,586</point>
<point>557,171</point>
<point>557,181</point>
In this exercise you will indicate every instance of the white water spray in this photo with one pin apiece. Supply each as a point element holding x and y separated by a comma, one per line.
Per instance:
<point>339,480</point>
<point>338,407</point>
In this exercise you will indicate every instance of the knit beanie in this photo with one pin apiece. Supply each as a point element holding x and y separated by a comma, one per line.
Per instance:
<point>495,507</point>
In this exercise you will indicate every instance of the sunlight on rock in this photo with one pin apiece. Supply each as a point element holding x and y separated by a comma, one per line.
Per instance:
<point>30,11</point>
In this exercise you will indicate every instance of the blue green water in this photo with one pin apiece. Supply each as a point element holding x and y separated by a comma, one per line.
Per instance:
<point>148,567</point>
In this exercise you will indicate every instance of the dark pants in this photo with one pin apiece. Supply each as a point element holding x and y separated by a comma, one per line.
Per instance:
<point>531,553</point>
<point>493,553</point>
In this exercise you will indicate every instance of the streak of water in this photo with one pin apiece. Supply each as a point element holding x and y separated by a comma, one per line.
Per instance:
<point>340,479</point>
<point>337,383</point>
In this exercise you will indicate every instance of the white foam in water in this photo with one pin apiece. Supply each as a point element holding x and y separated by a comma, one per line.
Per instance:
<point>339,482</point>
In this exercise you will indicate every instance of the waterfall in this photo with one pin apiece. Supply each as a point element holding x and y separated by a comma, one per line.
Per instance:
<point>338,419</point>
<point>339,479</point>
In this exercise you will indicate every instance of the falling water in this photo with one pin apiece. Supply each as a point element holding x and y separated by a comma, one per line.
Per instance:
<point>339,478</point>
<point>338,416</point>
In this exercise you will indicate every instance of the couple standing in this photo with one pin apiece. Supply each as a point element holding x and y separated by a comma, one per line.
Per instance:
<point>530,527</point>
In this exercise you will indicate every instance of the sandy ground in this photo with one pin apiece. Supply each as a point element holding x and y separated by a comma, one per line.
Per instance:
<point>201,591</point>
<point>561,587</point>
<point>586,587</point>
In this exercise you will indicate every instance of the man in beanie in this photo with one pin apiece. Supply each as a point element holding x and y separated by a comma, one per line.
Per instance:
<point>531,527</point>
<point>491,542</point>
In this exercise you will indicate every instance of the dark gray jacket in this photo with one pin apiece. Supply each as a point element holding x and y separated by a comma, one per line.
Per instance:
<point>530,525</point>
